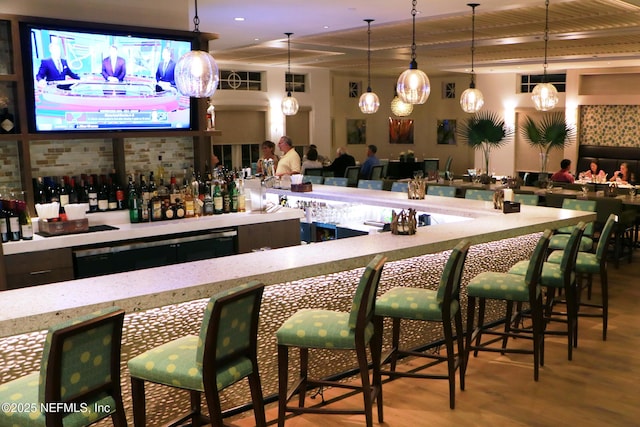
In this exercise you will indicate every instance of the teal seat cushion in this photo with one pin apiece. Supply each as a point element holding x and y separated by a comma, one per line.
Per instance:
<point>23,392</point>
<point>319,329</point>
<point>559,241</point>
<point>551,273</point>
<point>502,286</point>
<point>585,262</point>
<point>411,303</point>
<point>174,364</point>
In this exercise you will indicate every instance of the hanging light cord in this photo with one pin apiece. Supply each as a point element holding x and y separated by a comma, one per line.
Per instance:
<point>288,57</point>
<point>473,40</point>
<point>196,19</point>
<point>413,65</point>
<point>546,40</point>
<point>368,21</point>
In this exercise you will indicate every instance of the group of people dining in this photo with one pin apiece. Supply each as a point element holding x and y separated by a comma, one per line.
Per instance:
<point>594,173</point>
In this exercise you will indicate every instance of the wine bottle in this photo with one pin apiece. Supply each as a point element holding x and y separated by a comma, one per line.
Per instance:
<point>4,221</point>
<point>134,208</point>
<point>13,222</point>
<point>64,193</point>
<point>233,190</point>
<point>103,197</point>
<point>73,194</point>
<point>93,196</point>
<point>218,203</point>
<point>112,199</point>
<point>26,227</point>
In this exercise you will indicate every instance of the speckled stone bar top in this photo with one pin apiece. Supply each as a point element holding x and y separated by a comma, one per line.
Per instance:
<point>32,309</point>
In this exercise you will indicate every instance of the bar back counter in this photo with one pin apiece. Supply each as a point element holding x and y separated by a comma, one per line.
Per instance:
<point>164,303</point>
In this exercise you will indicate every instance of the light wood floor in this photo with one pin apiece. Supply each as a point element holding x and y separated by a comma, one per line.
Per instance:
<point>600,387</point>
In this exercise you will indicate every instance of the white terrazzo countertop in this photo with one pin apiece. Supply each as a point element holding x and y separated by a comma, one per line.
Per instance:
<point>32,309</point>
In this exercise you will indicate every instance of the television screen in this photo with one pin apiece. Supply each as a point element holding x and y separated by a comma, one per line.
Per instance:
<point>83,80</point>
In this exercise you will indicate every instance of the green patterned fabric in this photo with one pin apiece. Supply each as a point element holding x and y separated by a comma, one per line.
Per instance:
<point>399,187</point>
<point>586,262</point>
<point>86,360</point>
<point>605,235</point>
<point>473,194</point>
<point>314,179</point>
<point>551,276</point>
<point>527,199</point>
<point>577,205</point>
<point>441,190</point>
<point>179,363</point>
<point>560,241</point>
<point>370,184</point>
<point>336,181</point>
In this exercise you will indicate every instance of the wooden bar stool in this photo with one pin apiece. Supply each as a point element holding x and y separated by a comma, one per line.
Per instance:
<point>333,330</point>
<point>80,366</point>
<point>222,354</point>
<point>442,306</point>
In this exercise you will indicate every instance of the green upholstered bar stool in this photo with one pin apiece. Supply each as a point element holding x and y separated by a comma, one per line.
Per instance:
<point>560,239</point>
<point>511,288</point>
<point>80,364</point>
<point>527,199</point>
<point>560,278</point>
<point>400,187</point>
<point>334,330</point>
<point>442,306</point>
<point>474,194</point>
<point>335,180</point>
<point>314,179</point>
<point>370,184</point>
<point>441,190</point>
<point>588,264</point>
<point>222,354</point>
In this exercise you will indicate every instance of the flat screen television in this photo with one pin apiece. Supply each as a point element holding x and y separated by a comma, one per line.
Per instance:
<point>84,79</point>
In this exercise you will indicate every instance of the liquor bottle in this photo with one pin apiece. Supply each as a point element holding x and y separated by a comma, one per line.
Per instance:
<point>7,122</point>
<point>73,194</point>
<point>180,209</point>
<point>26,227</point>
<point>226,198</point>
<point>233,191</point>
<point>160,174</point>
<point>242,201</point>
<point>13,222</point>
<point>152,185</point>
<point>144,191</point>
<point>64,192</point>
<point>174,190</point>
<point>189,204</point>
<point>218,203</point>
<point>120,202</point>
<point>92,194</point>
<point>155,207</point>
<point>133,202</point>
<point>211,117</point>
<point>4,221</point>
<point>208,204</point>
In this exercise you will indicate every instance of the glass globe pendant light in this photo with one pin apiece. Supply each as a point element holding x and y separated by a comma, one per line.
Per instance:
<point>399,107</point>
<point>289,103</point>
<point>472,99</point>
<point>413,85</point>
<point>196,73</point>
<point>545,95</point>
<point>369,101</point>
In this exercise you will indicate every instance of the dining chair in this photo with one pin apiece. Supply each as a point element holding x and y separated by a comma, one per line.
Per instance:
<point>400,187</point>
<point>313,171</point>
<point>441,191</point>
<point>80,368</point>
<point>441,306</point>
<point>336,181</point>
<point>370,184</point>
<point>511,288</point>
<point>352,173</point>
<point>223,353</point>
<point>377,172</point>
<point>334,331</point>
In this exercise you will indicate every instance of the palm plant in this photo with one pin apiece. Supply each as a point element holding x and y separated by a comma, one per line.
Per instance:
<point>552,132</point>
<point>484,131</point>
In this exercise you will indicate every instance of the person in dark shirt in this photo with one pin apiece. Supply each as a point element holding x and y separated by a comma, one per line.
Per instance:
<point>341,162</point>
<point>54,68</point>
<point>563,175</point>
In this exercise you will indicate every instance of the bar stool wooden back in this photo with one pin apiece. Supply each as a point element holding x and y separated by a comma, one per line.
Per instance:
<point>442,306</point>
<point>511,288</point>
<point>333,330</point>
<point>80,369</point>
<point>222,354</point>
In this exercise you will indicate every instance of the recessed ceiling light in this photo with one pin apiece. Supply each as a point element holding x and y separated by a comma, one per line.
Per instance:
<point>325,27</point>
<point>238,19</point>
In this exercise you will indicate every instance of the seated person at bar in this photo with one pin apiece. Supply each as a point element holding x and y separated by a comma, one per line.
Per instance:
<point>594,173</point>
<point>563,175</point>
<point>311,161</point>
<point>341,162</point>
<point>322,159</point>
<point>623,176</point>
<point>289,163</point>
<point>268,153</point>
<point>370,162</point>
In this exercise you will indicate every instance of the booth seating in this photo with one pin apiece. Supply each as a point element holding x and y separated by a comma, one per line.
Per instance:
<point>609,158</point>
<point>80,364</point>
<point>338,331</point>
<point>222,354</point>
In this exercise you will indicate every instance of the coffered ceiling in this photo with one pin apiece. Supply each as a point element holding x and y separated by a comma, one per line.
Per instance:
<point>509,36</point>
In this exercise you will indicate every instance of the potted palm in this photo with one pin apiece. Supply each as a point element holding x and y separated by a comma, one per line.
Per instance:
<point>484,131</point>
<point>551,133</point>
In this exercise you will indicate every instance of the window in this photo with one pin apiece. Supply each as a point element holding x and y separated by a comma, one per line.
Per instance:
<point>240,80</point>
<point>295,82</point>
<point>529,81</point>
<point>250,154</point>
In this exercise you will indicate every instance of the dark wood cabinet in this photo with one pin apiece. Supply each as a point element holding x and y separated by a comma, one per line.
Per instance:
<point>38,268</point>
<point>278,234</point>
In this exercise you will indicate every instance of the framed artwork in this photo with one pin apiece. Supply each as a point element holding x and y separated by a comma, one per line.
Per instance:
<point>400,131</point>
<point>356,131</point>
<point>447,132</point>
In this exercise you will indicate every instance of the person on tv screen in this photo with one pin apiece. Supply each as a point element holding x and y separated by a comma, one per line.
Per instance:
<point>114,67</point>
<point>54,68</point>
<point>165,72</point>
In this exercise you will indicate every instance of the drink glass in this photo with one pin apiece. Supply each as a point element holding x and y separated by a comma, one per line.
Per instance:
<point>632,192</point>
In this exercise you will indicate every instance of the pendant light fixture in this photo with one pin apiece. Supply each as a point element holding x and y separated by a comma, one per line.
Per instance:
<point>399,107</point>
<point>196,73</point>
<point>369,101</point>
<point>545,95</point>
<point>289,103</point>
<point>413,85</point>
<point>472,99</point>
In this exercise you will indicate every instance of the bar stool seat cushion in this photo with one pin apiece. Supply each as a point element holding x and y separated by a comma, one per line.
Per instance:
<point>586,262</point>
<point>412,303</point>
<point>496,285</point>
<point>312,328</point>
<point>174,364</point>
<point>551,273</point>
<point>559,241</point>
